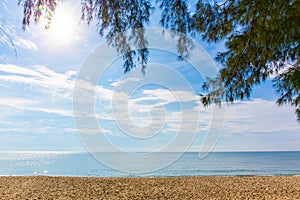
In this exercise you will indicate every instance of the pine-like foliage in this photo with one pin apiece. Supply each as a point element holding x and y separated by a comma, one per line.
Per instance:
<point>262,39</point>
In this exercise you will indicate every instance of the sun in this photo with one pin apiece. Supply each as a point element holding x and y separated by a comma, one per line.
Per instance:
<point>63,27</point>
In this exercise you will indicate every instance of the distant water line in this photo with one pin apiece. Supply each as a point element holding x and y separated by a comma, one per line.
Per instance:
<point>215,164</point>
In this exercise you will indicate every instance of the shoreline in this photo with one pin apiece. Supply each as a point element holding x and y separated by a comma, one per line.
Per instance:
<point>184,187</point>
<point>158,176</point>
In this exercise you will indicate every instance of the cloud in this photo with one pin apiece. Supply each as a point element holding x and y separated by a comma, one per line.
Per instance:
<point>150,110</point>
<point>164,97</point>
<point>61,112</point>
<point>27,130</point>
<point>59,85</point>
<point>15,103</point>
<point>36,75</point>
<point>25,44</point>
<point>169,96</point>
<point>29,105</point>
<point>37,88</point>
<point>53,88</point>
<point>259,116</point>
<point>124,81</point>
<point>88,131</point>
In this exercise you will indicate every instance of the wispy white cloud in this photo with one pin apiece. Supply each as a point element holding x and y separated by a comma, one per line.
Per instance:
<point>249,117</point>
<point>46,86</point>
<point>37,75</point>
<point>124,81</point>
<point>151,110</point>
<point>61,112</point>
<point>59,85</point>
<point>259,116</point>
<point>15,103</point>
<point>31,105</point>
<point>168,96</point>
<point>26,130</point>
<point>25,44</point>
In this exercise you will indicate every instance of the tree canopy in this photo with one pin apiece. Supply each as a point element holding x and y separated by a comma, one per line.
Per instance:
<point>261,36</point>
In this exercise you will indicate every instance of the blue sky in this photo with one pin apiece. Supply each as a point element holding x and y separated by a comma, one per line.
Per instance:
<point>37,94</point>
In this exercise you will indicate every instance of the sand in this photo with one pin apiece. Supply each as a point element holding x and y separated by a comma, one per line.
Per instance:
<point>42,187</point>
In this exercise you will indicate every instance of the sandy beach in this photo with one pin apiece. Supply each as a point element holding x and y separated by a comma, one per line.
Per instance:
<point>43,187</point>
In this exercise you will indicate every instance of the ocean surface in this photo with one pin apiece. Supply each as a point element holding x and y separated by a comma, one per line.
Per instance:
<point>83,164</point>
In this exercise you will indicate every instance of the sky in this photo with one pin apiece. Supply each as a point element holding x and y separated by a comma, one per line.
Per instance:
<point>133,112</point>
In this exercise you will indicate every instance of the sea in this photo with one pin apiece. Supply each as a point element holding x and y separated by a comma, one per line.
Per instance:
<point>214,164</point>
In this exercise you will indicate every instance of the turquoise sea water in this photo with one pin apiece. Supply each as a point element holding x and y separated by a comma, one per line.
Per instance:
<point>83,164</point>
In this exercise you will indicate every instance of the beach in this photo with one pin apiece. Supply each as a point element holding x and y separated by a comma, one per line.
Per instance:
<point>202,187</point>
